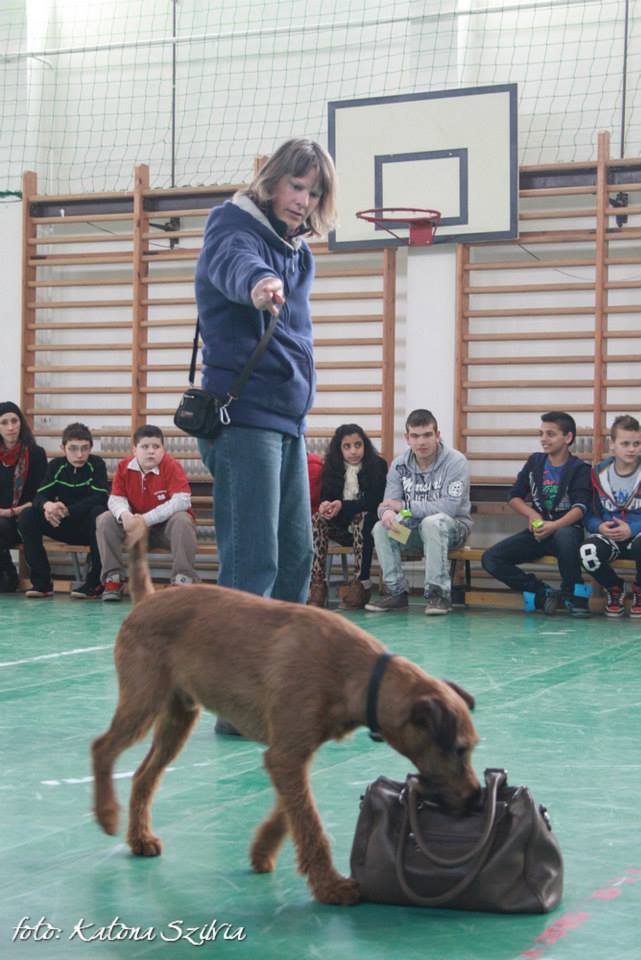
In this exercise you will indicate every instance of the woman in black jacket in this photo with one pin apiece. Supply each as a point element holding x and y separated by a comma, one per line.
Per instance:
<point>22,467</point>
<point>352,486</point>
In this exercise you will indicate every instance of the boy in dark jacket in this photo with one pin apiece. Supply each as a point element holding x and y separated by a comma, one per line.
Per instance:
<point>72,495</point>
<point>552,491</point>
<point>614,518</point>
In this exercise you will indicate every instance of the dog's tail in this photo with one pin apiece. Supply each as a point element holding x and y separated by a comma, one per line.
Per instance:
<point>140,583</point>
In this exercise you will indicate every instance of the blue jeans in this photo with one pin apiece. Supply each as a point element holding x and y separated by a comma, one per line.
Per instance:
<point>262,511</point>
<point>433,537</point>
<point>501,560</point>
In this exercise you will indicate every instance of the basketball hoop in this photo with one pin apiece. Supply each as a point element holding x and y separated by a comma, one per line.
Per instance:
<point>422,223</point>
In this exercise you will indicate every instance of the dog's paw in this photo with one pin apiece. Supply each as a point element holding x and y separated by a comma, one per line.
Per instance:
<point>107,817</point>
<point>340,891</point>
<point>262,862</point>
<point>146,845</point>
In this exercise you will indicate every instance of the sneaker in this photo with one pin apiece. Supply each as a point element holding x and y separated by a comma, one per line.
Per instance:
<point>395,601</point>
<point>317,594</point>
<point>544,598</point>
<point>578,602</point>
<point>88,591</point>
<point>578,606</point>
<point>614,603</point>
<point>353,596</point>
<point>226,729</point>
<point>438,602</point>
<point>112,590</point>
<point>635,606</point>
<point>551,601</point>
<point>35,593</point>
<point>180,580</point>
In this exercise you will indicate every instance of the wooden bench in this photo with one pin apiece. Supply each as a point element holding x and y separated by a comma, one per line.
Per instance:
<point>461,572</point>
<point>78,553</point>
<point>207,549</point>
<point>501,596</point>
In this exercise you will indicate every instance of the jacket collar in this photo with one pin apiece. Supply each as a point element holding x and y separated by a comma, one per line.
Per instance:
<point>242,201</point>
<point>134,465</point>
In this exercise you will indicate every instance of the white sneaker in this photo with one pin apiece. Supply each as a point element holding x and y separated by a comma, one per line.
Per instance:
<point>180,580</point>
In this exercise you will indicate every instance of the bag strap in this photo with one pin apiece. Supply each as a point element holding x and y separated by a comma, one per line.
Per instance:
<point>244,374</point>
<point>494,779</point>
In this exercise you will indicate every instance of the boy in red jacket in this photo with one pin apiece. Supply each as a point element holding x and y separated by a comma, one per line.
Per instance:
<point>154,485</point>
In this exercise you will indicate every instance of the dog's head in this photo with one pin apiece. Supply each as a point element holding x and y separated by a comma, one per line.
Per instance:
<point>436,733</point>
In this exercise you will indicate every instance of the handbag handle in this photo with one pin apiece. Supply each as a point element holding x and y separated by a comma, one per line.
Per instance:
<point>494,779</point>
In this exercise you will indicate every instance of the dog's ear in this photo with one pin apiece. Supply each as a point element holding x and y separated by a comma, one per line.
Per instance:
<point>463,694</point>
<point>439,721</point>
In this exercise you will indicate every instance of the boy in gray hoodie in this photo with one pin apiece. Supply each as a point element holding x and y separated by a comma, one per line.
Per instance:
<point>430,483</point>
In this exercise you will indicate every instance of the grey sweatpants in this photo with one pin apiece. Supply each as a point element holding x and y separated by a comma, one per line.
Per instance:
<point>178,534</point>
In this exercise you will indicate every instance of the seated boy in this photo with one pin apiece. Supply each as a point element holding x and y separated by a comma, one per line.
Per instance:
<point>552,491</point>
<point>614,518</point>
<point>73,493</point>
<point>432,482</point>
<point>150,483</point>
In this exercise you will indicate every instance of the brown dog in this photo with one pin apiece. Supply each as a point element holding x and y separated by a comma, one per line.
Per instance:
<point>286,675</point>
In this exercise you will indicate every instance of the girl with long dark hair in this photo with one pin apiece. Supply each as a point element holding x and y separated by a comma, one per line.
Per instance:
<point>352,486</point>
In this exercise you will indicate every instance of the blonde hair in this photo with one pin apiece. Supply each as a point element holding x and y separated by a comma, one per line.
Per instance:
<point>295,158</point>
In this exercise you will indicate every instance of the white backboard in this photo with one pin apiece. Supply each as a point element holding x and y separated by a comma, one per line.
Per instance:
<point>452,150</point>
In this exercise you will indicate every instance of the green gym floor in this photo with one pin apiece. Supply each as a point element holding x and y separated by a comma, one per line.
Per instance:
<point>557,705</point>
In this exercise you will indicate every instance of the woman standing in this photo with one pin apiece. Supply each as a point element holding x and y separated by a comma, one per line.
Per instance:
<point>352,486</point>
<point>22,468</point>
<point>255,262</point>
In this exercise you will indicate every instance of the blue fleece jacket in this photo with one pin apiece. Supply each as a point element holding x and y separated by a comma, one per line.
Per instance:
<point>240,248</point>
<point>604,506</point>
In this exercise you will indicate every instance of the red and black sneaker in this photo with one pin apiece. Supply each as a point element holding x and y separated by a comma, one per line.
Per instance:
<point>88,591</point>
<point>635,607</point>
<point>614,602</point>
<point>112,590</point>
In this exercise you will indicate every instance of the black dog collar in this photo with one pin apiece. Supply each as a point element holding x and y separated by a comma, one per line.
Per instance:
<point>372,694</point>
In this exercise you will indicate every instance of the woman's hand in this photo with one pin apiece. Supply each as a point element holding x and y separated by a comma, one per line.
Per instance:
<point>329,508</point>
<point>268,294</point>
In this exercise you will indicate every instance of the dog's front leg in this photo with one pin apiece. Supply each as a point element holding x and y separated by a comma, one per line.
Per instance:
<point>289,776</point>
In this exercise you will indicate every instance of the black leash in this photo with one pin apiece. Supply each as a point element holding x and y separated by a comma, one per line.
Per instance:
<point>372,695</point>
<point>244,374</point>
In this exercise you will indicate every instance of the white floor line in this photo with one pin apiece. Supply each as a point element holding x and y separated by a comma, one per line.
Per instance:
<point>74,781</point>
<point>52,656</point>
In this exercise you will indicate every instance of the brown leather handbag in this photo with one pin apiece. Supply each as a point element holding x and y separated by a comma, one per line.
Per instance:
<point>502,857</point>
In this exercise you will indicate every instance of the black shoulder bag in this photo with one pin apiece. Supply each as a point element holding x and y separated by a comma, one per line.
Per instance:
<point>203,414</point>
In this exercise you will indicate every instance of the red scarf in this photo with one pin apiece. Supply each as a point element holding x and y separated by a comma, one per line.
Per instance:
<point>18,457</point>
